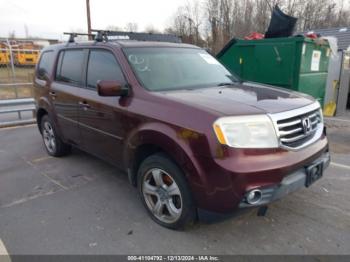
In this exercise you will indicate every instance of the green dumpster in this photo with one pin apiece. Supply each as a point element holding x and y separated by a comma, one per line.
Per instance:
<point>296,63</point>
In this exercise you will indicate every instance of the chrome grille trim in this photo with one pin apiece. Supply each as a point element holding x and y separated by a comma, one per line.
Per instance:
<point>284,133</point>
<point>292,139</point>
<point>289,129</point>
<point>290,123</point>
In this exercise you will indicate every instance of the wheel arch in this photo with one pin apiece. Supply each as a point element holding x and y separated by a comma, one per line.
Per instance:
<point>159,138</point>
<point>44,107</point>
<point>39,115</point>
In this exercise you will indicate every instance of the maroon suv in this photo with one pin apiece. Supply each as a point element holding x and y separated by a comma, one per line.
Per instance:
<point>194,139</point>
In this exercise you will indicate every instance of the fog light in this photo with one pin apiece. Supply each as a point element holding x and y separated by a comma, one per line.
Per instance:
<point>254,197</point>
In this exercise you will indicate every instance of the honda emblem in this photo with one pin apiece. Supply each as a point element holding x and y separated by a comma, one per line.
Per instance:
<point>307,127</point>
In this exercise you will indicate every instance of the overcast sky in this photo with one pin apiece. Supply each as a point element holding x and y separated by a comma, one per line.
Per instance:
<point>49,18</point>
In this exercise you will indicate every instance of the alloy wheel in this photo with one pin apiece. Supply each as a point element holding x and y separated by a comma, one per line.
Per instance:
<point>162,195</point>
<point>49,137</point>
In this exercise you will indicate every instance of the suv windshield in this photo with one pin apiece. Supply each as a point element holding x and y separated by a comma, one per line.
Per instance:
<point>177,68</point>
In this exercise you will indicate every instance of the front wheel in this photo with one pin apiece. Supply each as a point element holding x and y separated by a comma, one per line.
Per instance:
<point>53,143</point>
<point>165,193</point>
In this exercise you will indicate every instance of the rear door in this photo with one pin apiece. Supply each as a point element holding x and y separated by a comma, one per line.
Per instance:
<point>65,92</point>
<point>102,120</point>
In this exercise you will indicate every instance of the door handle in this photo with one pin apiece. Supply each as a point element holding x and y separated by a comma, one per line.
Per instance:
<point>84,104</point>
<point>52,93</point>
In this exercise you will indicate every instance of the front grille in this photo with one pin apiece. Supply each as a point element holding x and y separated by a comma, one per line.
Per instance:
<point>293,133</point>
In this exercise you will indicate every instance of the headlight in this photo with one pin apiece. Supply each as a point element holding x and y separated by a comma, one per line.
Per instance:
<point>254,131</point>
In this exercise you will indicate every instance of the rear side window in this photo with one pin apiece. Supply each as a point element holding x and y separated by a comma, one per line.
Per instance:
<point>102,65</point>
<point>70,66</point>
<point>46,61</point>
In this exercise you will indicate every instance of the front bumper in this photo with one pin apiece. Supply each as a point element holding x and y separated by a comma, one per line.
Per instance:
<point>220,183</point>
<point>289,184</point>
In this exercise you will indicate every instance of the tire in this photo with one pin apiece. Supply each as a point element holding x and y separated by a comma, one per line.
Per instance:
<point>52,142</point>
<point>165,193</point>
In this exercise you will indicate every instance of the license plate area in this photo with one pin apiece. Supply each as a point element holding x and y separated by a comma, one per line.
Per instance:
<point>313,173</point>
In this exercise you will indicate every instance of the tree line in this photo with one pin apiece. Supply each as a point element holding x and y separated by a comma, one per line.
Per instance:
<point>212,23</point>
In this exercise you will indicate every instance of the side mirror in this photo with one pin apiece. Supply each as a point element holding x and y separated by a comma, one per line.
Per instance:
<point>42,74</point>
<point>111,88</point>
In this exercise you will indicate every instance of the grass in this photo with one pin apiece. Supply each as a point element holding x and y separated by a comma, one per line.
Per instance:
<point>22,75</point>
<point>22,92</point>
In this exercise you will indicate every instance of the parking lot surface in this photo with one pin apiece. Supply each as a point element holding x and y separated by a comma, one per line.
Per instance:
<point>81,205</point>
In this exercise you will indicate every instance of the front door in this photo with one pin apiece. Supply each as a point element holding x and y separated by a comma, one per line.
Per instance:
<point>102,120</point>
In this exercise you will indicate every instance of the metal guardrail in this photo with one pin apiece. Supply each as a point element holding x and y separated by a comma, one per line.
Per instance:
<point>9,106</point>
<point>15,84</point>
<point>17,61</point>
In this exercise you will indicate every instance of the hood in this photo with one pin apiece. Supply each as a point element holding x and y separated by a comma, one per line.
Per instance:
<point>245,98</point>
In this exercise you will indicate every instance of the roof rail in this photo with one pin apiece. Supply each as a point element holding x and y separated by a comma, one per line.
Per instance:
<point>106,35</point>
<point>101,35</point>
<point>73,35</point>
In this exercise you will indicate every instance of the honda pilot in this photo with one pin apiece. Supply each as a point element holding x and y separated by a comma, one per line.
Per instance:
<point>195,140</point>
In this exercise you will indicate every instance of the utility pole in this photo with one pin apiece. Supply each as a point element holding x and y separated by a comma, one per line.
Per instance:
<point>88,18</point>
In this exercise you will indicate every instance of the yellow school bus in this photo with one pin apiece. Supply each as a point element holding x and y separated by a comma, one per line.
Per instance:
<point>25,54</point>
<point>4,55</point>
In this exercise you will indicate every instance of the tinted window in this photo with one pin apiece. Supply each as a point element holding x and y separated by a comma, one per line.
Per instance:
<point>46,61</point>
<point>70,66</point>
<point>103,66</point>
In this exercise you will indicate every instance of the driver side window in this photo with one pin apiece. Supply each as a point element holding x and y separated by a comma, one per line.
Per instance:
<point>103,65</point>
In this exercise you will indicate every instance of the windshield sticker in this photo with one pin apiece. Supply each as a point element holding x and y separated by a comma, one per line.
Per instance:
<point>209,59</point>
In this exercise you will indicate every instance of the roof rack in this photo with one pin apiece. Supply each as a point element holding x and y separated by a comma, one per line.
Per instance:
<point>73,35</point>
<point>106,35</point>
